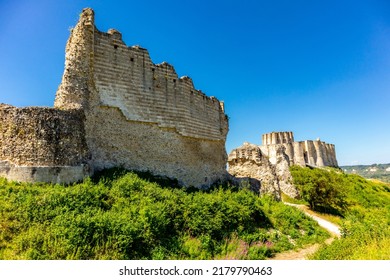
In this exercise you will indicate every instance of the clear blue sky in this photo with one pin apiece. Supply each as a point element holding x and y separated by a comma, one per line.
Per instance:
<point>317,68</point>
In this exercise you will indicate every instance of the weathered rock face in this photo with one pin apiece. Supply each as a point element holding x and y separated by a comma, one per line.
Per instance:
<point>270,162</point>
<point>282,170</point>
<point>248,161</point>
<point>77,80</point>
<point>135,114</point>
<point>38,143</point>
<point>42,136</point>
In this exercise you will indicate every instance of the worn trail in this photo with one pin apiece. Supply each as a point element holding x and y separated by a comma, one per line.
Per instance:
<point>302,254</point>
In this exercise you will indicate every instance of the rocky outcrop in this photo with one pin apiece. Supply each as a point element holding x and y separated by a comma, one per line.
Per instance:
<point>282,170</point>
<point>270,163</point>
<point>248,161</point>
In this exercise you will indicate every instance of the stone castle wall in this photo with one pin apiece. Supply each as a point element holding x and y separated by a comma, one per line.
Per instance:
<point>162,151</point>
<point>126,78</point>
<point>44,137</point>
<point>137,114</point>
<point>308,152</point>
<point>270,162</point>
<point>123,77</point>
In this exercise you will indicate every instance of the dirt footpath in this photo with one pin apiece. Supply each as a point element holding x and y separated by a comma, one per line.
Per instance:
<point>302,254</point>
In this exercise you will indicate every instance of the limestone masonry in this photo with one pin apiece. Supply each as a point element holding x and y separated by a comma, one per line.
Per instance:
<point>308,152</point>
<point>115,107</point>
<point>269,163</point>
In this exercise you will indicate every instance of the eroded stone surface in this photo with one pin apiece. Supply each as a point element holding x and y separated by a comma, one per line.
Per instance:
<point>248,161</point>
<point>308,152</point>
<point>270,162</point>
<point>115,107</point>
<point>36,136</point>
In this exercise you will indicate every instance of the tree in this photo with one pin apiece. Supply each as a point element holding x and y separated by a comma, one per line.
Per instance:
<point>324,190</point>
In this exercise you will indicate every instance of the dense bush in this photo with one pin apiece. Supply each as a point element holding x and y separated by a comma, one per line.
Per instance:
<point>120,215</point>
<point>323,189</point>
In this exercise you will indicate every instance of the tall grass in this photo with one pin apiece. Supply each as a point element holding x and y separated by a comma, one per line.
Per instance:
<point>122,215</point>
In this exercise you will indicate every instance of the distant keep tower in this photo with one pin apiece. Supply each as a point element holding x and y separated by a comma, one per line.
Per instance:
<point>274,138</point>
<point>308,152</point>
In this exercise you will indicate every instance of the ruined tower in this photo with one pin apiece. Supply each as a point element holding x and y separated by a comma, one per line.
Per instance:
<point>272,160</point>
<point>308,152</point>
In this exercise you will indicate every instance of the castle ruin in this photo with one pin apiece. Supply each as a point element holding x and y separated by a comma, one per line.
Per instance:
<point>308,152</point>
<point>270,162</point>
<point>115,108</point>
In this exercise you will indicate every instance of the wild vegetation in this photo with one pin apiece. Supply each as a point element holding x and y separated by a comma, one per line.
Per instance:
<point>124,215</point>
<point>363,207</point>
<point>323,190</point>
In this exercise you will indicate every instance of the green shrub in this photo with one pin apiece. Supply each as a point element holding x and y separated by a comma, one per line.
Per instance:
<point>120,215</point>
<point>323,189</point>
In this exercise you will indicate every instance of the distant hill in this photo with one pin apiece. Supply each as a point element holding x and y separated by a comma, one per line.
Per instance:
<point>374,171</point>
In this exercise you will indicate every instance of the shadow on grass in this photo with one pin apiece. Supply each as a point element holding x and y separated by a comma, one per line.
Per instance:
<point>111,174</point>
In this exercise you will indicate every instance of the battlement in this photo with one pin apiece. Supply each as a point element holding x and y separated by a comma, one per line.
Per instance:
<point>274,138</point>
<point>316,153</point>
<point>125,77</point>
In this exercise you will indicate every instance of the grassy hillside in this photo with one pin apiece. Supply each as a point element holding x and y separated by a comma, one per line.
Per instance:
<point>375,171</point>
<point>364,217</point>
<point>121,215</point>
